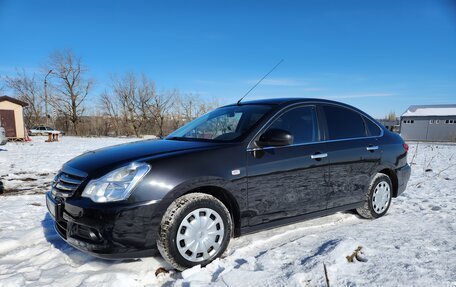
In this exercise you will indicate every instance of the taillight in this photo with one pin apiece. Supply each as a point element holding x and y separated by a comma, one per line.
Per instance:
<point>406,147</point>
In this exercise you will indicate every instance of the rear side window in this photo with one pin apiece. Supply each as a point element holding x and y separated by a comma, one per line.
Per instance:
<point>372,128</point>
<point>343,123</point>
<point>300,122</point>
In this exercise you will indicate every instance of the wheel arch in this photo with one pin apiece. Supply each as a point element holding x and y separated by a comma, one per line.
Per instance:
<point>392,175</point>
<point>227,199</point>
<point>214,186</point>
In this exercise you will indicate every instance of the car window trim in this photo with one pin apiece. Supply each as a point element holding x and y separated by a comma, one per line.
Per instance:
<point>298,107</point>
<point>360,115</point>
<point>367,128</point>
<point>318,106</point>
<point>278,114</point>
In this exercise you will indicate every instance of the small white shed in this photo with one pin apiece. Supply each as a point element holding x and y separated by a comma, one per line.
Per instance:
<point>12,117</point>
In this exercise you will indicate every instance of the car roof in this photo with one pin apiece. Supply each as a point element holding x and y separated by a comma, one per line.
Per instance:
<point>283,101</point>
<point>289,101</point>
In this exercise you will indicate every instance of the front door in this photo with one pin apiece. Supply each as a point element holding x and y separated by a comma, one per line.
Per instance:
<point>8,123</point>
<point>290,180</point>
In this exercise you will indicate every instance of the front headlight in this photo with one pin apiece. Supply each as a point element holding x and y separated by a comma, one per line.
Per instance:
<point>116,185</point>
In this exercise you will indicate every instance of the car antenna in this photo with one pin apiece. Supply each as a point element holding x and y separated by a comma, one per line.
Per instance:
<point>254,86</point>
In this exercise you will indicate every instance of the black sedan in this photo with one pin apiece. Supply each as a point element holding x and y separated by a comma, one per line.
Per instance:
<point>240,168</point>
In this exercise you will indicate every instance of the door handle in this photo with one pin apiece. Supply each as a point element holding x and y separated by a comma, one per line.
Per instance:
<point>318,156</point>
<point>372,147</point>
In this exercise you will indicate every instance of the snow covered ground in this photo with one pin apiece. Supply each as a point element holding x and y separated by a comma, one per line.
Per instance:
<point>30,167</point>
<point>413,245</point>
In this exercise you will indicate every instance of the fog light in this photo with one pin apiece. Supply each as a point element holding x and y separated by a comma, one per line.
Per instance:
<point>94,236</point>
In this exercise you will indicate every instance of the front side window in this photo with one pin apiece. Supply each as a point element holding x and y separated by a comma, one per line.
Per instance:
<point>224,124</point>
<point>343,123</point>
<point>300,122</point>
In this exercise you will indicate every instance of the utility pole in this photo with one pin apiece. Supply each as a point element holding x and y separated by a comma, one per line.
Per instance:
<point>46,97</point>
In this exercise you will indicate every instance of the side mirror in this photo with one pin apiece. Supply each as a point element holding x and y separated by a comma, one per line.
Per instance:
<point>275,137</point>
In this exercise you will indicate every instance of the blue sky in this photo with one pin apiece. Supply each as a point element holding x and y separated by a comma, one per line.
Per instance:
<point>380,56</point>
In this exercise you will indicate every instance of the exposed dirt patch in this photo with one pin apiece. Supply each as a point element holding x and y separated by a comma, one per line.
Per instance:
<point>23,182</point>
<point>26,179</point>
<point>20,172</point>
<point>6,191</point>
<point>22,191</point>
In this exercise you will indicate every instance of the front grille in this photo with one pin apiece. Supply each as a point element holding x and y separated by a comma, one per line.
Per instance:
<point>61,228</point>
<point>67,181</point>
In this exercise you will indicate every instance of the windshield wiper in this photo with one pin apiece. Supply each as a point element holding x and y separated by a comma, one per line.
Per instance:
<point>181,139</point>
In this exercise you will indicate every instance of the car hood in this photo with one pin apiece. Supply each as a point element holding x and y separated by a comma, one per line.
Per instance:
<point>97,162</point>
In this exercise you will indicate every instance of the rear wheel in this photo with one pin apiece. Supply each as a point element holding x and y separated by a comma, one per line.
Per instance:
<point>195,229</point>
<point>378,197</point>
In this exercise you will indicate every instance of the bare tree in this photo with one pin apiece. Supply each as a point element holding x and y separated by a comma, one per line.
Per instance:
<point>192,106</point>
<point>111,110</point>
<point>126,92</point>
<point>70,85</point>
<point>28,90</point>
<point>208,105</point>
<point>187,107</point>
<point>133,100</point>
<point>161,107</point>
<point>391,116</point>
<point>176,115</point>
<point>2,86</point>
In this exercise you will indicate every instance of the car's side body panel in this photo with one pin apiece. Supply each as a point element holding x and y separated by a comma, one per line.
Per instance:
<point>351,167</point>
<point>286,182</point>
<point>298,218</point>
<point>175,175</point>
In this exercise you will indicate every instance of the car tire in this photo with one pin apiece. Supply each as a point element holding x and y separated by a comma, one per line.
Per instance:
<point>378,197</point>
<point>183,241</point>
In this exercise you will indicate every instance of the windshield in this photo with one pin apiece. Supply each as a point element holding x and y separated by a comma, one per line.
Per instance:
<point>225,124</point>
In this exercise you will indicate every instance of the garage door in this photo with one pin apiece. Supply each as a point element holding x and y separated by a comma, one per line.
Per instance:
<point>7,121</point>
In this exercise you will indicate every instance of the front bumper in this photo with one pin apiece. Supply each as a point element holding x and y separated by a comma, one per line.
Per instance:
<point>403,176</point>
<point>106,230</point>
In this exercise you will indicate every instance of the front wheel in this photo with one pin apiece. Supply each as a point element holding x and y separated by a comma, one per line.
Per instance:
<point>195,229</point>
<point>378,197</point>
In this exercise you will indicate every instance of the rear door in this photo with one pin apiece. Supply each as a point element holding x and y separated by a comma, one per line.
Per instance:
<point>353,153</point>
<point>287,181</point>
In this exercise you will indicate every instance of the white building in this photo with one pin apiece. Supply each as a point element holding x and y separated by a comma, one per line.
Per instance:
<point>429,123</point>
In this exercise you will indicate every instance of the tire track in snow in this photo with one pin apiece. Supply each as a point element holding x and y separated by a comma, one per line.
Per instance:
<point>288,234</point>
